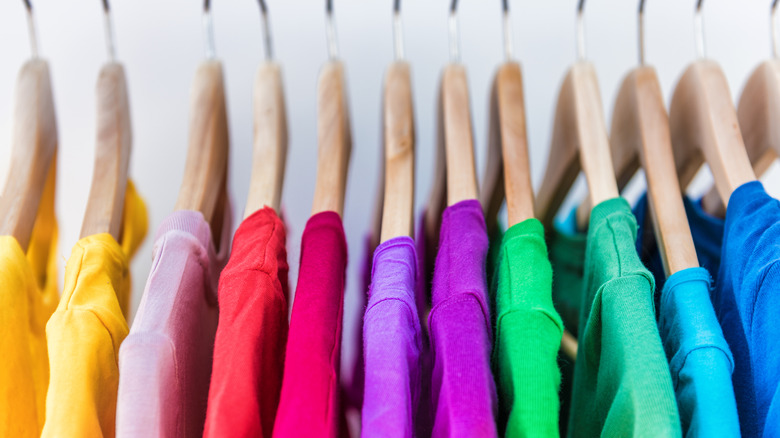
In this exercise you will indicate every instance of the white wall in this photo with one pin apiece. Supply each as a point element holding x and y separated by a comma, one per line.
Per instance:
<point>160,43</point>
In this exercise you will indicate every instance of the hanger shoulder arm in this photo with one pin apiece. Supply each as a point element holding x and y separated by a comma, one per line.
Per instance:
<point>459,140</point>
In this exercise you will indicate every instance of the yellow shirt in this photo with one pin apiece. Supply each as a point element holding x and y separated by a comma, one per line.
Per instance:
<point>86,330</point>
<point>28,296</point>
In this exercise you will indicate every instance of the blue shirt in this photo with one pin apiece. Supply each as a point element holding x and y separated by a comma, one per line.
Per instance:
<point>750,277</point>
<point>699,357</point>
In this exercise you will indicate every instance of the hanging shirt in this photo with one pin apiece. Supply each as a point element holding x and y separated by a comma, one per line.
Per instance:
<point>622,384</point>
<point>699,357</point>
<point>85,332</point>
<point>528,335</point>
<point>252,331</point>
<point>392,338</point>
<point>165,361</point>
<point>463,394</point>
<point>750,277</point>
<point>28,296</point>
<point>309,404</point>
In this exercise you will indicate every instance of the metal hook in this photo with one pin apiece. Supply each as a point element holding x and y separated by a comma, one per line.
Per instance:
<point>208,30</point>
<point>775,34</point>
<point>641,29</point>
<point>698,24</point>
<point>31,29</point>
<point>398,37</point>
<point>109,29</point>
<point>330,31</point>
<point>454,35</point>
<point>269,53</point>
<point>580,30</point>
<point>507,31</point>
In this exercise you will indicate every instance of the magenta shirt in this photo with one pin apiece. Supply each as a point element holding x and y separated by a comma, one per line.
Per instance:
<point>165,361</point>
<point>392,343</point>
<point>463,392</point>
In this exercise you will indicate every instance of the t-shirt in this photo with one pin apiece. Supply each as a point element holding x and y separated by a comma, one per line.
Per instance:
<point>85,332</point>
<point>165,361</point>
<point>392,343</point>
<point>252,332</point>
<point>699,357</point>
<point>528,335</point>
<point>28,296</point>
<point>463,393</point>
<point>567,257</point>
<point>750,276</point>
<point>622,384</point>
<point>309,404</point>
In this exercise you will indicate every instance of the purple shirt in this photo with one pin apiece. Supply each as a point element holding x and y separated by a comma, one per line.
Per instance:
<point>165,361</point>
<point>392,342</point>
<point>463,392</point>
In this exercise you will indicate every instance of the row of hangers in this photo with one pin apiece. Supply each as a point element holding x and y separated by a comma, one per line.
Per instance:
<point>702,125</point>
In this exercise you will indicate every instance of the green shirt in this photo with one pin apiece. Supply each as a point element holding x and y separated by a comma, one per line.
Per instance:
<point>567,255</point>
<point>528,335</point>
<point>622,384</point>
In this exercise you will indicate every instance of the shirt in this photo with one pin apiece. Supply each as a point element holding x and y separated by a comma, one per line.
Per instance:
<point>252,331</point>
<point>28,296</point>
<point>309,404</point>
<point>750,276</point>
<point>85,332</point>
<point>699,357</point>
<point>528,335</point>
<point>622,384</point>
<point>392,343</point>
<point>463,395</point>
<point>165,361</point>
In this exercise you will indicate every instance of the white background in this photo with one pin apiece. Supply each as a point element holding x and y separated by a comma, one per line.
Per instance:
<point>161,43</point>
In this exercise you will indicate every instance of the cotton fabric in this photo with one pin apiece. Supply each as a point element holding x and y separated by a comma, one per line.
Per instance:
<point>252,332</point>
<point>622,383</point>
<point>749,280</point>
<point>85,332</point>
<point>28,296</point>
<point>528,335</point>
<point>165,361</point>
<point>392,343</point>
<point>310,400</point>
<point>463,396</point>
<point>700,360</point>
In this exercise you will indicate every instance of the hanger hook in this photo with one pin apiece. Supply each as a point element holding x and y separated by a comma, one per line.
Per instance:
<point>454,34</point>
<point>641,30</point>
<point>108,25</point>
<point>269,53</point>
<point>330,31</point>
<point>775,34</point>
<point>33,35</point>
<point>507,30</point>
<point>208,30</point>
<point>580,30</point>
<point>398,37</point>
<point>698,24</point>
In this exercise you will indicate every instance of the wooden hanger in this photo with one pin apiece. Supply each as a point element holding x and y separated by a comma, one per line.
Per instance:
<point>704,126</point>
<point>270,132</point>
<point>33,153</point>
<point>398,121</point>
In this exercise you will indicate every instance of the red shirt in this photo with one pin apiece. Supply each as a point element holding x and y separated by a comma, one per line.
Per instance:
<point>252,331</point>
<point>309,405</point>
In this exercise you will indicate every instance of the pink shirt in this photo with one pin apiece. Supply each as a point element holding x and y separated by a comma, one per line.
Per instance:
<point>165,361</point>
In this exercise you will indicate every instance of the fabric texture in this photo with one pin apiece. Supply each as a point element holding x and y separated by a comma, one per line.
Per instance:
<point>749,282</point>
<point>699,357</point>
<point>622,383</point>
<point>165,361</point>
<point>28,297</point>
<point>392,343</point>
<point>310,398</point>
<point>85,332</point>
<point>252,332</point>
<point>528,335</point>
<point>463,393</point>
